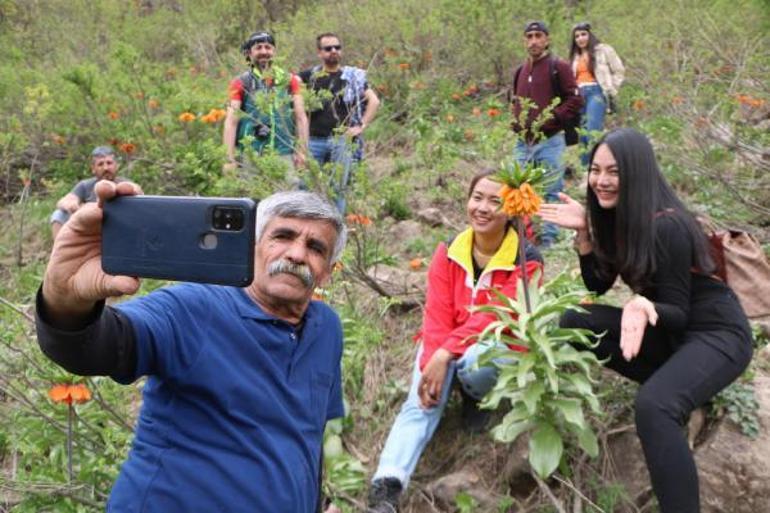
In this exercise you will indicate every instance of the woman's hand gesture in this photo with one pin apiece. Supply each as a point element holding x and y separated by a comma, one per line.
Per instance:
<point>637,313</point>
<point>567,214</point>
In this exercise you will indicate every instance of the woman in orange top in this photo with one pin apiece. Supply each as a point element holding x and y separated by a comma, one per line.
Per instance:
<point>598,73</point>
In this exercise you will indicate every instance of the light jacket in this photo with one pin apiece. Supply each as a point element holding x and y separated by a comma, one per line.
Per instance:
<point>608,69</point>
<point>447,322</point>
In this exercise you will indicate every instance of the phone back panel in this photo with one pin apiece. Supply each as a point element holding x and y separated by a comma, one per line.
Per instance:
<point>174,238</point>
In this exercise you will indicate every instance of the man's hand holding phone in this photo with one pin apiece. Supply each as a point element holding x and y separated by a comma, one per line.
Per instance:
<point>74,281</point>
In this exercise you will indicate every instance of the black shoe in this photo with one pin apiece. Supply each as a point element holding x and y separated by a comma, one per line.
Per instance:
<point>384,495</point>
<point>474,418</point>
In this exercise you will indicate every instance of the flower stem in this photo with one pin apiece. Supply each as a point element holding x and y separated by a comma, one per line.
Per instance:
<point>523,260</point>
<point>70,414</point>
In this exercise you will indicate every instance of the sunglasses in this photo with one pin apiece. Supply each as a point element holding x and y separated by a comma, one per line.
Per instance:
<point>329,48</point>
<point>582,26</point>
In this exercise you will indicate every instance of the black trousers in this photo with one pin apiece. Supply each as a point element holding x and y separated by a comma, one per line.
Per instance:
<point>676,376</point>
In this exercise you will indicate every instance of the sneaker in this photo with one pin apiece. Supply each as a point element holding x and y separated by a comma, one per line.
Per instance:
<point>384,495</point>
<point>474,418</point>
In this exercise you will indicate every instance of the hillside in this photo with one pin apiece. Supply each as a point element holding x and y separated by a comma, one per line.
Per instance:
<point>146,75</point>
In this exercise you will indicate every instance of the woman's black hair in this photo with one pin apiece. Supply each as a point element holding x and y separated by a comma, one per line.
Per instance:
<point>485,172</point>
<point>624,237</point>
<point>593,41</point>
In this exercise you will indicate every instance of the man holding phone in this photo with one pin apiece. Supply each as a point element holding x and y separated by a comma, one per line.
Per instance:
<point>241,381</point>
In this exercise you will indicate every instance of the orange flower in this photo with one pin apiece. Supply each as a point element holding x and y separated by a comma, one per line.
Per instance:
<point>520,201</point>
<point>58,139</point>
<point>69,393</point>
<point>113,115</point>
<point>382,89</point>
<point>677,100</point>
<point>493,112</point>
<point>476,111</point>
<point>114,141</point>
<point>186,117</point>
<point>415,263</point>
<point>419,86</point>
<point>745,99</point>
<point>638,105</point>
<point>153,104</point>
<point>358,219</point>
<point>469,135</point>
<point>338,266</point>
<point>403,66</point>
<point>456,97</point>
<point>450,118</point>
<point>127,148</point>
<point>472,89</point>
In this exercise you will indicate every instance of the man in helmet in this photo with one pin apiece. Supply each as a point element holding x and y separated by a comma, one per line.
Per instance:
<point>265,104</point>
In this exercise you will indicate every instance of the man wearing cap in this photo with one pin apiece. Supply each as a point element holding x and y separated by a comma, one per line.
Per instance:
<point>347,105</point>
<point>541,81</point>
<point>104,166</point>
<point>265,104</point>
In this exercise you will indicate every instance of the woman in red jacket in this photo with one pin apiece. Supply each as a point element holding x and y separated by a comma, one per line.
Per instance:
<point>462,274</point>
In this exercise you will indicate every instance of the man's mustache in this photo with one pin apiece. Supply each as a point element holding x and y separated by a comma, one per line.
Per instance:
<point>301,271</point>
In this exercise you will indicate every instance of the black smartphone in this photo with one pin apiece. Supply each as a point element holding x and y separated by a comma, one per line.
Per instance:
<point>206,240</point>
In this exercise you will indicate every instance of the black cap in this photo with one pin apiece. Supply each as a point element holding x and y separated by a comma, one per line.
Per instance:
<point>258,37</point>
<point>538,25</point>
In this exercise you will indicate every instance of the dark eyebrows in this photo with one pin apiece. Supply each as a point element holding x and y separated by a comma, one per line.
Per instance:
<point>288,233</point>
<point>283,233</point>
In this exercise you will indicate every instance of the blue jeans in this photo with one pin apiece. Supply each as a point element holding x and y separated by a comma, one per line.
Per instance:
<point>336,150</point>
<point>548,154</point>
<point>594,109</point>
<point>414,425</point>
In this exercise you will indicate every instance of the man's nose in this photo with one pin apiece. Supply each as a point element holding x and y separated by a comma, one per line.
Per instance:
<point>296,252</point>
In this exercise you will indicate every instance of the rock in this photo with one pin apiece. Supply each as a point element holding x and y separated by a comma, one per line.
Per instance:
<point>398,282</point>
<point>433,217</point>
<point>401,235</point>
<point>734,469</point>
<point>445,489</point>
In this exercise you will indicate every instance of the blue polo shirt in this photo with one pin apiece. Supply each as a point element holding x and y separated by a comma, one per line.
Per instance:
<point>234,407</point>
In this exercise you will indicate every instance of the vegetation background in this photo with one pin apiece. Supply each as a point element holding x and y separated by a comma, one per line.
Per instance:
<point>146,75</point>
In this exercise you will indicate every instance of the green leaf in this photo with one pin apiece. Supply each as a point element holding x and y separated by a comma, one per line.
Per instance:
<point>532,395</point>
<point>508,433</point>
<point>571,409</point>
<point>545,450</point>
<point>588,442</point>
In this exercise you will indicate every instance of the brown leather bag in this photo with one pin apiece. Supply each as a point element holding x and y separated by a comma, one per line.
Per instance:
<point>744,266</point>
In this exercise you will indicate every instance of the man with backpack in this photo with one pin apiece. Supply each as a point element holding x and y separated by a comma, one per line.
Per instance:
<point>346,106</point>
<point>546,109</point>
<point>265,106</point>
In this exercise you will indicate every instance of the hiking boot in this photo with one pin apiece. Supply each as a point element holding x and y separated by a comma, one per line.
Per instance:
<point>474,418</point>
<point>384,495</point>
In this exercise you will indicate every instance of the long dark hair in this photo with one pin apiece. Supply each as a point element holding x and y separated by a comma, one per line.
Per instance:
<point>593,41</point>
<point>624,237</point>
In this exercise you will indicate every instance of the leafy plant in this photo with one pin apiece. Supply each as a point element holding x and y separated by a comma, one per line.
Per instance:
<point>740,404</point>
<point>549,383</point>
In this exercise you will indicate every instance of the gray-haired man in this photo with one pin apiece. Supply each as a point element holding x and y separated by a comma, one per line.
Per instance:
<point>241,381</point>
<point>104,166</point>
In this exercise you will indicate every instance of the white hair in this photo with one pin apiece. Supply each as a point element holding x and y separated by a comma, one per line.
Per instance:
<point>302,205</point>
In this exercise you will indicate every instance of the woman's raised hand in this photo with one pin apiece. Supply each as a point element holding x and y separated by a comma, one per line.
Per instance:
<point>567,214</point>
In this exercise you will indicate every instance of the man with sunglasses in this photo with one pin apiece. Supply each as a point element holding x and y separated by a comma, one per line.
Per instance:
<point>265,104</point>
<point>544,84</point>
<point>346,106</point>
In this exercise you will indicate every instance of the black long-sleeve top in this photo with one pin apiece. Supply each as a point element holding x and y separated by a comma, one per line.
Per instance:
<point>684,299</point>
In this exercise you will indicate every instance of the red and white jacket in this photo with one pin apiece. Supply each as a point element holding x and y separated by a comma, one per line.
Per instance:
<point>447,321</point>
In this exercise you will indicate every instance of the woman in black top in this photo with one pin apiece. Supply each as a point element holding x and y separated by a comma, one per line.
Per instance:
<point>683,335</point>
